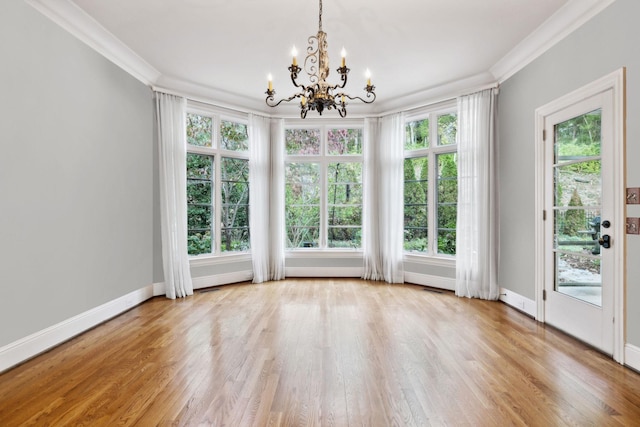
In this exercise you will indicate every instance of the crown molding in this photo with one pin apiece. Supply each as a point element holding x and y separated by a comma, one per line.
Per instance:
<point>566,20</point>
<point>436,94</point>
<point>70,17</point>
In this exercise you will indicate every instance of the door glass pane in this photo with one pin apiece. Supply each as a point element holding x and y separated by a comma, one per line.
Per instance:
<point>577,204</point>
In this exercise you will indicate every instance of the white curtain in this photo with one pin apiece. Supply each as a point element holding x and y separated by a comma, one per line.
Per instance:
<point>383,214</point>
<point>276,210</point>
<point>171,117</point>
<point>477,231</point>
<point>267,250</point>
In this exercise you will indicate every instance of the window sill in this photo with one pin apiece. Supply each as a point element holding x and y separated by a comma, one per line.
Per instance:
<point>210,259</point>
<point>436,260</point>
<point>323,253</point>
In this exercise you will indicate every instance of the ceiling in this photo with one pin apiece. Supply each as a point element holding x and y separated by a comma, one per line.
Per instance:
<point>224,49</point>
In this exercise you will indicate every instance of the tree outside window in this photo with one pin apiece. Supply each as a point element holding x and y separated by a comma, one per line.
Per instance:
<point>431,184</point>
<point>217,185</point>
<point>323,187</point>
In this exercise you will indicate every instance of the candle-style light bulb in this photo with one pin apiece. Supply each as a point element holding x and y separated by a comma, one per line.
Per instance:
<point>303,100</point>
<point>294,53</point>
<point>343,53</point>
<point>270,78</point>
<point>367,74</point>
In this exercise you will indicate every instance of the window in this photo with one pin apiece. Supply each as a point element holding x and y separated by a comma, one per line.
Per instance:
<point>323,187</point>
<point>217,185</point>
<point>431,184</point>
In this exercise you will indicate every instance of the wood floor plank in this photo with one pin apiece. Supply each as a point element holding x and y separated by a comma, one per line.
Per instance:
<point>321,352</point>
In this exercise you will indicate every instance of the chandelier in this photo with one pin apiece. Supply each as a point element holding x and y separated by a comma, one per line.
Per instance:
<point>320,95</point>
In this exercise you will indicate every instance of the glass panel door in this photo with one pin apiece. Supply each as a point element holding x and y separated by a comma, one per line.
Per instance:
<point>577,207</point>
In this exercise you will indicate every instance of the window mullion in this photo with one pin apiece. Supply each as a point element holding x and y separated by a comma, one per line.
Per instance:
<point>217,208</point>
<point>433,186</point>
<point>324,207</point>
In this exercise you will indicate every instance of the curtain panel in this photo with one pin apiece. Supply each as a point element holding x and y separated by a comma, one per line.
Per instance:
<point>172,144</point>
<point>383,215</point>
<point>265,194</point>
<point>477,222</point>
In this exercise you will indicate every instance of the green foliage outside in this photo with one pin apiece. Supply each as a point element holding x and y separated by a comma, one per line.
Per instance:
<point>233,187</point>
<point>574,219</point>
<point>344,204</point>
<point>235,205</point>
<point>447,129</point>
<point>302,204</point>
<point>200,173</point>
<point>344,189</point>
<point>447,202</point>
<point>416,187</point>
<point>303,142</point>
<point>233,136</point>
<point>199,130</point>
<point>577,151</point>
<point>416,173</point>
<point>578,138</point>
<point>417,135</point>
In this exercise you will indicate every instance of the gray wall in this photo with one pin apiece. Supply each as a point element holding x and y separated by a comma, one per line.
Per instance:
<point>603,45</point>
<point>76,173</point>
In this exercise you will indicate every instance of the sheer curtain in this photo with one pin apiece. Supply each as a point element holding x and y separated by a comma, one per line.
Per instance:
<point>276,210</point>
<point>477,230</point>
<point>171,117</point>
<point>267,250</point>
<point>383,199</point>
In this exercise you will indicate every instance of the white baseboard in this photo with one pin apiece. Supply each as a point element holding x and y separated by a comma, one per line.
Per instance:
<point>323,271</point>
<point>431,281</point>
<point>222,279</point>
<point>518,302</point>
<point>632,356</point>
<point>209,281</point>
<point>41,341</point>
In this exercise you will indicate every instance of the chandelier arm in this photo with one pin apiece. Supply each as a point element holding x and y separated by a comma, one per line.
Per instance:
<point>371,95</point>
<point>343,71</point>
<point>271,101</point>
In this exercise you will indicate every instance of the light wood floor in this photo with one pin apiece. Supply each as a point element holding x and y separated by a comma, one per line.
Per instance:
<point>321,352</point>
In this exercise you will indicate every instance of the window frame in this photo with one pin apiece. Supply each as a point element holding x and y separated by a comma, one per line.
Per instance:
<point>324,159</point>
<point>216,151</point>
<point>431,153</point>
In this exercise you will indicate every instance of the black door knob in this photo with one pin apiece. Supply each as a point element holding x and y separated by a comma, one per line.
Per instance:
<point>605,241</point>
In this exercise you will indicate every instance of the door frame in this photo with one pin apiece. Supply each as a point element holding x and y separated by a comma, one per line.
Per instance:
<point>616,82</point>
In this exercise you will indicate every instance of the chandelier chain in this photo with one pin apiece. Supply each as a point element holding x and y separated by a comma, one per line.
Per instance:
<point>320,17</point>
